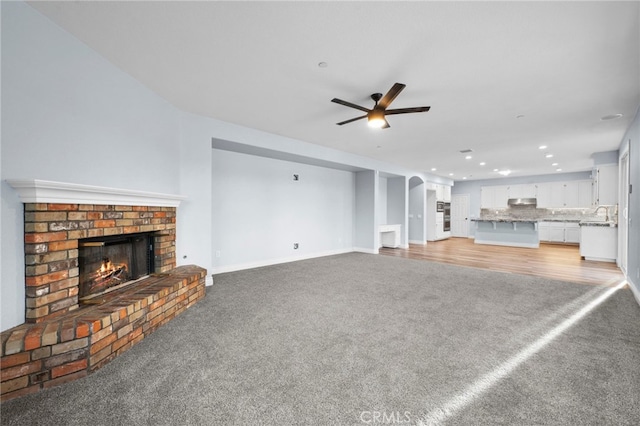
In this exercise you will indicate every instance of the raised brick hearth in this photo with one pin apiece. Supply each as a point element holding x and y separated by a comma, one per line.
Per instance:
<point>62,340</point>
<point>66,348</point>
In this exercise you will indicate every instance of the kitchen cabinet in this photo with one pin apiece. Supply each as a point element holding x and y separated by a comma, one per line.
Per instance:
<point>543,231</point>
<point>559,232</point>
<point>571,233</point>
<point>599,243</point>
<point>443,192</point>
<point>447,193</point>
<point>543,195</point>
<point>577,193</point>
<point>494,197</point>
<point>564,194</point>
<point>605,185</point>
<point>439,192</point>
<point>549,195</point>
<point>522,191</point>
<point>556,232</point>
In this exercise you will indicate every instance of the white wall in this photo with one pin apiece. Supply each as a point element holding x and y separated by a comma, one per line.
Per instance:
<point>382,200</point>
<point>631,142</point>
<point>417,208</point>
<point>397,206</point>
<point>194,213</point>
<point>366,236</point>
<point>69,115</point>
<point>259,211</point>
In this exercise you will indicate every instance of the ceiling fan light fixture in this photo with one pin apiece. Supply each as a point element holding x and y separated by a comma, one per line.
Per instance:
<point>376,115</point>
<point>376,119</point>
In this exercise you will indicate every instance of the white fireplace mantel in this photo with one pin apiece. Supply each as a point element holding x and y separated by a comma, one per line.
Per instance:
<point>44,191</point>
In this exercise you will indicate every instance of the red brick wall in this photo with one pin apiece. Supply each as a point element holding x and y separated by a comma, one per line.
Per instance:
<point>51,239</point>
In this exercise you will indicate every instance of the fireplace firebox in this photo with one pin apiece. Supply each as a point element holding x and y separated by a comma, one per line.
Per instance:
<point>109,263</point>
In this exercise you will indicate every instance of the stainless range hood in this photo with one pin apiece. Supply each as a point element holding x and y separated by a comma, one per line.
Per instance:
<point>522,202</point>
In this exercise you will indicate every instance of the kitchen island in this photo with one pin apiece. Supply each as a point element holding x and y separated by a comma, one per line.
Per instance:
<point>599,240</point>
<point>507,232</point>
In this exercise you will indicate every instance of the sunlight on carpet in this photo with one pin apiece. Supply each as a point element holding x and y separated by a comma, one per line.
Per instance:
<point>486,382</point>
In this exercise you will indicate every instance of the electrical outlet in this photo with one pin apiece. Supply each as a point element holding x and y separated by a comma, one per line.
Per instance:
<point>295,246</point>
<point>217,253</point>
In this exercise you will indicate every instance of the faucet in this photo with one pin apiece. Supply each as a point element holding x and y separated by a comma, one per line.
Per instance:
<point>606,209</point>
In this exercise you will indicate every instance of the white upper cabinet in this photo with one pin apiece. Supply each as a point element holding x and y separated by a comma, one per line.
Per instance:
<point>447,193</point>
<point>548,194</point>
<point>501,196</point>
<point>443,192</point>
<point>439,192</point>
<point>543,195</point>
<point>494,197</point>
<point>575,193</point>
<point>606,185</point>
<point>486,197</point>
<point>556,195</point>
<point>522,191</point>
<point>585,191</point>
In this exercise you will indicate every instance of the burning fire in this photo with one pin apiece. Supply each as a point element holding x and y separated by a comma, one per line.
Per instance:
<point>109,271</point>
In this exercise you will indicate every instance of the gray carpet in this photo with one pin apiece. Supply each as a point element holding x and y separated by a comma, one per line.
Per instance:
<point>359,339</point>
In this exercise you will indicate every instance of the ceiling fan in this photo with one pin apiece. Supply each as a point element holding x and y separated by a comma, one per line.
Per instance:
<point>376,115</point>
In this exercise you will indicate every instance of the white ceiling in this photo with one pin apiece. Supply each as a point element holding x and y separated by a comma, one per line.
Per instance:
<point>502,78</point>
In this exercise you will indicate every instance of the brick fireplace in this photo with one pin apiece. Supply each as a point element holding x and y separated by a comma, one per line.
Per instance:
<point>52,233</point>
<point>62,339</point>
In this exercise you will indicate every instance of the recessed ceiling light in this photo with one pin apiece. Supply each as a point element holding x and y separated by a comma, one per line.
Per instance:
<point>450,174</point>
<point>495,170</point>
<point>468,157</point>
<point>464,178</point>
<point>483,163</point>
<point>322,64</point>
<point>505,172</point>
<point>554,164</point>
<point>558,170</point>
<point>542,147</point>
<point>549,155</point>
<point>610,117</point>
<point>433,169</point>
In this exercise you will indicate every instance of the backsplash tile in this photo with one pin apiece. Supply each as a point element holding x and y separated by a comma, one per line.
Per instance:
<point>540,214</point>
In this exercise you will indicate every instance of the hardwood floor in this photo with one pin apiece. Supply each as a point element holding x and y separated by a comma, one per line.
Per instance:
<point>555,261</point>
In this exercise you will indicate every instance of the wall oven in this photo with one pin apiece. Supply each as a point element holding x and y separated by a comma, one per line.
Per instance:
<point>446,224</point>
<point>439,206</point>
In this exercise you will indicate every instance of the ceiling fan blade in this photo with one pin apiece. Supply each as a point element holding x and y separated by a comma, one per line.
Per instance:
<point>350,121</point>
<point>391,95</point>
<point>349,104</point>
<point>406,110</point>
<point>386,124</point>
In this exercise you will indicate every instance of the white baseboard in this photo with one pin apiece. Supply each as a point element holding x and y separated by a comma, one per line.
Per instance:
<point>208,281</point>
<point>634,289</point>
<point>417,242</point>
<point>365,250</point>
<point>509,244</point>
<point>259,264</point>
